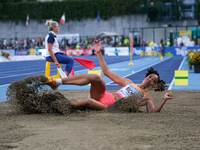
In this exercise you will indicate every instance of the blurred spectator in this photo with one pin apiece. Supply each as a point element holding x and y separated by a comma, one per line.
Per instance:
<point>144,44</point>
<point>155,44</point>
<point>43,43</point>
<point>38,42</point>
<point>151,44</point>
<point>182,44</point>
<point>168,42</point>
<point>62,44</point>
<point>162,47</point>
<point>116,41</point>
<point>33,41</point>
<point>176,43</point>
<point>22,44</point>
<point>111,43</point>
<point>70,43</point>
<point>77,49</point>
<point>25,44</point>
<point>191,43</point>
<point>105,40</point>
<point>0,44</point>
<point>126,41</point>
<point>138,40</point>
<point>4,44</point>
<point>135,41</point>
<point>16,44</point>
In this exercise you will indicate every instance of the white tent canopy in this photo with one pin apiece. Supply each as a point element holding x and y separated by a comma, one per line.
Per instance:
<point>103,34</point>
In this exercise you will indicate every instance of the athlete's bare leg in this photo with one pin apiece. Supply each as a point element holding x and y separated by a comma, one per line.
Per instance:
<point>97,88</point>
<point>87,103</point>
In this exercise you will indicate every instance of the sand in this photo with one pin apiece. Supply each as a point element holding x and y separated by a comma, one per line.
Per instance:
<point>36,117</point>
<point>176,127</point>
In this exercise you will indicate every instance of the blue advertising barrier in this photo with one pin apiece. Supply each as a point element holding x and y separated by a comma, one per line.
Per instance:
<point>169,51</point>
<point>21,52</point>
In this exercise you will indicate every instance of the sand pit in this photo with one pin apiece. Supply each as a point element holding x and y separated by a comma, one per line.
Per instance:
<point>51,127</point>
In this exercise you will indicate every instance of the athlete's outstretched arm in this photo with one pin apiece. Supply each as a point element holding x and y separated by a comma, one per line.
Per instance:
<point>150,106</point>
<point>106,71</point>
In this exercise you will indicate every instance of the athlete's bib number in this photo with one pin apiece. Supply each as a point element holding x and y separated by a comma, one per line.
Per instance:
<point>128,91</point>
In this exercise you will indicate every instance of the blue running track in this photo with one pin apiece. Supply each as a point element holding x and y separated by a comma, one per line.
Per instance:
<point>15,71</point>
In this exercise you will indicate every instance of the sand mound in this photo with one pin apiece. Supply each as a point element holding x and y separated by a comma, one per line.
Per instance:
<point>128,104</point>
<point>30,96</point>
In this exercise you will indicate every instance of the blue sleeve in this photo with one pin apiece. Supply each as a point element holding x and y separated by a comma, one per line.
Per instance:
<point>51,38</point>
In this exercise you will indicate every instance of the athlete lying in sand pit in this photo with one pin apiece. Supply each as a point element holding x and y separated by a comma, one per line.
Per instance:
<point>99,99</point>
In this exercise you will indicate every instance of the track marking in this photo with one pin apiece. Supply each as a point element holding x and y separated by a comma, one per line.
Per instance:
<point>17,69</point>
<point>21,74</point>
<point>141,70</point>
<point>135,83</point>
<point>4,85</point>
<point>35,72</point>
<point>173,80</point>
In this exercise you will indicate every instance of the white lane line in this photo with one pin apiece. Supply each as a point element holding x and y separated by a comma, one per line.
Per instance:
<point>4,85</point>
<point>7,72</point>
<point>40,71</point>
<point>141,69</point>
<point>21,74</point>
<point>34,72</point>
<point>134,83</point>
<point>172,83</point>
<point>17,70</point>
<point>21,67</point>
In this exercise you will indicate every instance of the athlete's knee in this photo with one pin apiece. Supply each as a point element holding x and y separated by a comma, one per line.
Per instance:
<point>84,103</point>
<point>88,102</point>
<point>81,103</point>
<point>96,78</point>
<point>71,60</point>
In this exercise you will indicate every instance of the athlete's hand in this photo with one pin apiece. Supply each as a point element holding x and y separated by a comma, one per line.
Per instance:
<point>97,46</point>
<point>168,95</point>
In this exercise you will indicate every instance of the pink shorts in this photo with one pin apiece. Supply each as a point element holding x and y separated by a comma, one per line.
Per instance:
<point>107,99</point>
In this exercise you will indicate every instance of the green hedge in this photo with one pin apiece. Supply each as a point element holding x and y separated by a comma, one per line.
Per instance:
<point>73,9</point>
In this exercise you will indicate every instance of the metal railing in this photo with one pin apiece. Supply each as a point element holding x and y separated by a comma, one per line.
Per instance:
<point>157,33</point>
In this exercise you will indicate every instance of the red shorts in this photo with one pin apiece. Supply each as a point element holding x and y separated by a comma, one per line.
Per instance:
<point>107,99</point>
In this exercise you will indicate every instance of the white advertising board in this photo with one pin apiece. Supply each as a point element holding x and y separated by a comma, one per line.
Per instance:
<point>117,51</point>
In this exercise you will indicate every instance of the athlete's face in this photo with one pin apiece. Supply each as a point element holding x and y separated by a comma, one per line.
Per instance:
<point>150,80</point>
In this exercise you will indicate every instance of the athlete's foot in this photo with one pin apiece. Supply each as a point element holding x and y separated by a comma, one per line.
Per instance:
<point>52,82</point>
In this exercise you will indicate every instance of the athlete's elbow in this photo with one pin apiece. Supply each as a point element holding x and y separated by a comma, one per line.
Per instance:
<point>50,50</point>
<point>106,72</point>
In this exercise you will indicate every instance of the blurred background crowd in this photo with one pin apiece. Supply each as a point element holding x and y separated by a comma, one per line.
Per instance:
<point>39,43</point>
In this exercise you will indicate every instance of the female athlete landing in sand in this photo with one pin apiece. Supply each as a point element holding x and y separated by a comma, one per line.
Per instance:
<point>100,99</point>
